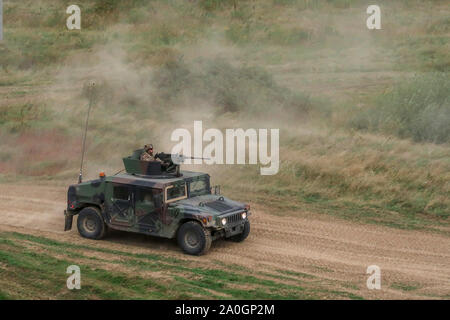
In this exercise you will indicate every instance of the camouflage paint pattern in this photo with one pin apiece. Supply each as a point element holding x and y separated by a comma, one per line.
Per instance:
<point>136,202</point>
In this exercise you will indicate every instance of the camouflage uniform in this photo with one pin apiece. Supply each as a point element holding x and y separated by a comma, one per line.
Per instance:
<point>145,156</point>
<point>148,156</point>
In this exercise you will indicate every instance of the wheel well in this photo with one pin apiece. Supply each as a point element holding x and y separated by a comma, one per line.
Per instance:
<point>87,205</point>
<point>183,221</point>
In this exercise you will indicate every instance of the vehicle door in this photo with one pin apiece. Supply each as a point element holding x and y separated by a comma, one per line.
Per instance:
<point>119,206</point>
<point>148,209</point>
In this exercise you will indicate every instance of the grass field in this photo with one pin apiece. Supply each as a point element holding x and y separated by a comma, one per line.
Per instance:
<point>350,146</point>
<point>32,266</point>
<point>364,118</point>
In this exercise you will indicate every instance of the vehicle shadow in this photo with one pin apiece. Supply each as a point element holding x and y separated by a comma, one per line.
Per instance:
<point>151,242</point>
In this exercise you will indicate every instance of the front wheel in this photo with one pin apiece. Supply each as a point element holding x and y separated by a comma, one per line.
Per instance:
<point>242,236</point>
<point>193,238</point>
<point>90,223</point>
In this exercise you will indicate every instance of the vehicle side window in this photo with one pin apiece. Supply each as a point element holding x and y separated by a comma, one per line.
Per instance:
<point>176,191</point>
<point>145,195</point>
<point>121,193</point>
<point>149,196</point>
<point>198,187</point>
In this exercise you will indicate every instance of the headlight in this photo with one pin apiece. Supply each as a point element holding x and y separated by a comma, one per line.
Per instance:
<point>224,221</point>
<point>244,215</point>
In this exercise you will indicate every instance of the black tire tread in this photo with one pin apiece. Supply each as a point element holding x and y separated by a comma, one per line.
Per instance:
<point>205,233</point>
<point>91,211</point>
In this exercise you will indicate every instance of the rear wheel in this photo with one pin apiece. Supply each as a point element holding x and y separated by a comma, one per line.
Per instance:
<point>90,223</point>
<point>193,238</point>
<point>242,236</point>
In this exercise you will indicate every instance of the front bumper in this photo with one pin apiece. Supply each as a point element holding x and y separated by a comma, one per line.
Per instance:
<point>234,229</point>
<point>229,231</point>
<point>231,228</point>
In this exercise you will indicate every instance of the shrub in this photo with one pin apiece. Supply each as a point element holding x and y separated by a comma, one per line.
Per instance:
<point>229,88</point>
<point>417,109</point>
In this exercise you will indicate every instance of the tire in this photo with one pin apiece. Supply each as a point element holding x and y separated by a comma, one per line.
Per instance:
<point>193,238</point>
<point>90,223</point>
<point>242,236</point>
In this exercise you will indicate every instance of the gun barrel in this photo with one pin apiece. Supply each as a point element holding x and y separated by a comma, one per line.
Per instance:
<point>179,158</point>
<point>196,158</point>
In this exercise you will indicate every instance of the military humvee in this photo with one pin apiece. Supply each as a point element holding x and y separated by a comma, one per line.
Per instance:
<point>157,199</point>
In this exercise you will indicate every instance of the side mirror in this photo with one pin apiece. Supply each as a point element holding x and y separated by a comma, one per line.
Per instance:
<point>216,189</point>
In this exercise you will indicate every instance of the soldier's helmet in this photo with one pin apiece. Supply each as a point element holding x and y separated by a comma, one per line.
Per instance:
<point>148,148</point>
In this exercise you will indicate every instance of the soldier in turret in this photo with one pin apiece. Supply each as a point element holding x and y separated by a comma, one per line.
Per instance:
<point>147,154</point>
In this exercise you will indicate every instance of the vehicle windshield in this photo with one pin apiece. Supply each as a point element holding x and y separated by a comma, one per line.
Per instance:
<point>198,187</point>
<point>175,192</point>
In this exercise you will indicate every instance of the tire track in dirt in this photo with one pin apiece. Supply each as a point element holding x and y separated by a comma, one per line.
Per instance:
<point>330,249</point>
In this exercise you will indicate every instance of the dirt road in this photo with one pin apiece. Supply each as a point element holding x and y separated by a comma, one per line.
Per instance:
<point>414,264</point>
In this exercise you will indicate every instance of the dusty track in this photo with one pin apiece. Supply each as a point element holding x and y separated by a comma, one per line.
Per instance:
<point>337,252</point>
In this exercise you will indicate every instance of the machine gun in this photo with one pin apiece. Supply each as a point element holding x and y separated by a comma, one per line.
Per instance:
<point>171,162</point>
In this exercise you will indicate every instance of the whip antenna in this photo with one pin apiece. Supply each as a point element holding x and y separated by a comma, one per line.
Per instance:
<point>80,176</point>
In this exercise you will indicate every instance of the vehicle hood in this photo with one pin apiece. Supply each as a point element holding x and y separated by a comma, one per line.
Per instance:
<point>211,204</point>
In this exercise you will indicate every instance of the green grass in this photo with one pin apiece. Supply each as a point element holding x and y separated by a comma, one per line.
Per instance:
<point>405,286</point>
<point>418,108</point>
<point>360,112</point>
<point>39,270</point>
<point>228,88</point>
<point>368,184</point>
<point>296,274</point>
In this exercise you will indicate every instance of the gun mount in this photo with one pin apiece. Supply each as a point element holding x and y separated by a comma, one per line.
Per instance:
<point>167,167</point>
